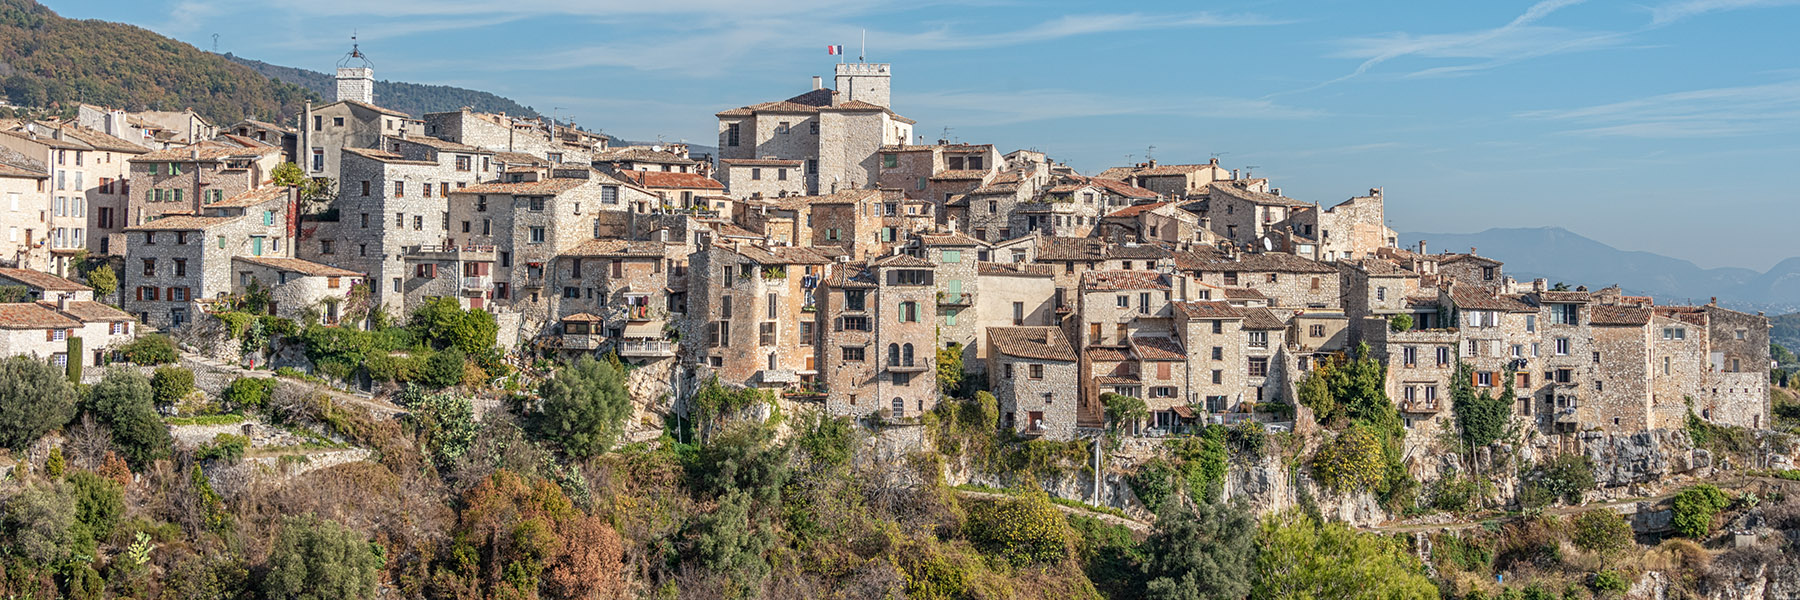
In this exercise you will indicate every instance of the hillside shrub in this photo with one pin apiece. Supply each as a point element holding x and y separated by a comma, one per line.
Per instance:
<point>1694,509</point>
<point>152,349</point>
<point>171,385</point>
<point>1023,529</point>
<point>585,406</point>
<point>315,559</point>
<point>34,399</point>
<point>124,402</point>
<point>247,393</point>
<point>1602,531</point>
<point>1351,462</point>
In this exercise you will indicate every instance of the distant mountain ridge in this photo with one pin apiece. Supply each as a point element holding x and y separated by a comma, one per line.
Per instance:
<point>415,99</point>
<point>1558,254</point>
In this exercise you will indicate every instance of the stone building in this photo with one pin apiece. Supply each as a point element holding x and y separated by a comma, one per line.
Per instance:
<point>837,134</point>
<point>1564,362</point>
<point>174,263</point>
<point>1174,181</point>
<point>1374,287</point>
<point>672,158</point>
<point>44,286</point>
<point>620,295</point>
<point>301,290</point>
<point>1470,269</point>
<point>954,261</point>
<point>763,177</point>
<point>1288,281</point>
<point>877,349</point>
<point>752,314</point>
<point>1033,373</point>
<point>1006,295</point>
<point>936,171</point>
<point>24,186</point>
<point>849,220</point>
<point>1248,217</point>
<point>85,171</point>
<point>393,204</point>
<point>183,181</point>
<point>534,136</point>
<point>1421,367</point>
<point>673,190</point>
<point>153,130</point>
<point>1354,228</point>
<point>281,136</point>
<point>47,330</point>
<point>326,131</point>
<point>1161,223</point>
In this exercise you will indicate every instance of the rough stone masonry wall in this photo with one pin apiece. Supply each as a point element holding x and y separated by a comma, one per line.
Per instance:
<point>1621,394</point>
<point>1054,394</point>
<point>1678,371</point>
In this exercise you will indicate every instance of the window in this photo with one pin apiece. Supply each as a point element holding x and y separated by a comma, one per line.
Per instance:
<point>1218,353</point>
<point>725,307</point>
<point>1218,376</point>
<point>1484,379</point>
<point>149,267</point>
<point>765,333</point>
<point>462,163</point>
<point>1562,346</point>
<point>899,408</point>
<point>180,267</point>
<point>1259,339</point>
<point>1409,355</point>
<point>1316,331</point>
<point>806,333</point>
<point>853,299</point>
<point>1675,333</point>
<point>1381,294</point>
<point>1443,356</point>
<point>537,204</point>
<point>418,222</point>
<point>1018,312</point>
<point>537,235</point>
<point>909,312</point>
<point>856,323</point>
<point>890,161</point>
<point>1218,326</point>
<point>853,353</point>
<point>731,134</point>
<point>955,256</point>
<point>399,189</point>
<point>1259,367</point>
<point>1565,314</point>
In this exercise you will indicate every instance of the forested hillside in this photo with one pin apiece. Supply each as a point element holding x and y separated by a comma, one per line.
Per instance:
<point>46,59</point>
<point>412,98</point>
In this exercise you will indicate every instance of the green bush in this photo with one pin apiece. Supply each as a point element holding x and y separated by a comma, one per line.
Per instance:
<point>397,368</point>
<point>443,323</point>
<point>314,559</point>
<point>1566,477</point>
<point>1400,322</point>
<point>99,503</point>
<point>34,399</point>
<point>1352,461</point>
<point>1023,529</point>
<point>443,369</point>
<point>171,385</point>
<point>1455,494</point>
<point>584,407</point>
<point>1610,581</point>
<point>1602,531</point>
<point>152,349</point>
<point>75,353</point>
<point>225,446</point>
<point>124,402</point>
<point>236,323</point>
<point>246,393</point>
<point>1694,509</point>
<point>446,423</point>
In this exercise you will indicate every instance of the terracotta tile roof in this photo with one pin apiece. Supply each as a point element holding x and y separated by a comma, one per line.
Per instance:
<point>15,164</point>
<point>1120,173</point>
<point>1456,258</point>
<point>1481,299</point>
<point>182,223</point>
<point>442,145</point>
<point>1117,380</point>
<point>88,311</point>
<point>760,162</point>
<point>519,158</point>
<point>1197,257</point>
<point>598,248</point>
<point>103,141</point>
<point>784,255</point>
<point>1421,301</point>
<point>208,151</point>
<point>900,260</point>
<point>1042,343</point>
<point>251,198</point>
<point>1205,309</point>
<point>733,231</point>
<point>295,265</point>
<point>1565,296</point>
<point>1157,348</point>
<point>1122,280</point>
<point>1626,316</point>
<point>1689,314</point>
<point>1014,270</point>
<point>583,317</point>
<point>43,138</point>
<point>1137,209</point>
<point>1121,188</point>
<point>1227,189</point>
<point>1108,353</point>
<point>1269,262</point>
<point>643,154</point>
<point>31,315</point>
<point>1382,268</point>
<point>1261,319</point>
<point>386,157</point>
<point>551,186</point>
<point>1138,251</point>
<point>1243,294</point>
<point>950,238</point>
<point>666,180</point>
<point>264,125</point>
<point>959,175</point>
<point>358,103</point>
<point>1068,248</point>
<point>41,280</point>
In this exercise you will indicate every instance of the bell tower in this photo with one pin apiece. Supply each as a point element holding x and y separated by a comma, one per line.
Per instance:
<point>355,76</point>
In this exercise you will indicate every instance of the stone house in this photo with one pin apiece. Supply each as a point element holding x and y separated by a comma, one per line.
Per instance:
<point>1160,223</point>
<point>44,286</point>
<point>94,208</point>
<point>1470,269</point>
<point>837,134</point>
<point>326,131</point>
<point>672,158</point>
<point>24,187</point>
<point>72,167</point>
<point>620,295</point>
<point>538,137</point>
<point>1057,215</point>
<point>175,262</point>
<point>953,259</point>
<point>1421,367</point>
<point>849,220</point>
<point>673,190</point>
<point>44,330</point>
<point>153,130</point>
<point>1714,357</point>
<point>1113,307</point>
<point>297,286</point>
<point>1247,217</point>
<point>763,177</point>
<point>1005,295</point>
<point>753,314</point>
<point>1565,361</point>
<point>1499,338</point>
<point>936,171</point>
<point>1288,281</point>
<point>1354,228</point>
<point>182,181</point>
<point>1034,374</point>
<point>1175,181</point>
<point>1374,287</point>
<point>877,349</point>
<point>281,136</point>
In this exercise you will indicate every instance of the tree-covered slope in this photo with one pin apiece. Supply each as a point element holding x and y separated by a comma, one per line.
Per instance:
<point>412,98</point>
<point>46,59</point>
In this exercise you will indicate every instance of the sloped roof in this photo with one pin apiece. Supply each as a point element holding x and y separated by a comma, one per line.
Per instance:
<point>951,238</point>
<point>31,315</point>
<point>643,154</point>
<point>1261,319</point>
<point>442,145</point>
<point>386,156</point>
<point>1624,316</point>
<point>209,151</point>
<point>1196,257</point>
<point>43,138</point>
<point>1565,296</point>
<point>103,141</point>
<point>88,311</point>
<point>1157,348</point>
<point>1071,248</point>
<point>1269,262</point>
<point>1243,294</point>
<point>251,198</point>
<point>1206,309</point>
<point>520,158</point>
<point>597,248</point>
<point>1122,189</point>
<point>1122,280</point>
<point>900,260</point>
<point>1481,299</point>
<point>1042,343</point>
<point>551,186</point>
<point>1137,209</point>
<point>365,105</point>
<point>663,179</point>
<point>16,164</point>
<point>1014,269</point>
<point>760,162</point>
<point>1252,196</point>
<point>41,280</point>
<point>295,265</point>
<point>960,175</point>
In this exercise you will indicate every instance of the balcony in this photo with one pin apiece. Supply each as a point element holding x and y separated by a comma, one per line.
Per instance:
<point>478,284</point>
<point>646,348</point>
<point>1421,407</point>
<point>469,252</point>
<point>905,367</point>
<point>955,299</point>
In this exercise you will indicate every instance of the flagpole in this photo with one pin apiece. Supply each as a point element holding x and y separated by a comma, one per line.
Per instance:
<point>864,51</point>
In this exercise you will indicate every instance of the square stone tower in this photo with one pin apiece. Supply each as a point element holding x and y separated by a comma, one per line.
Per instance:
<point>358,83</point>
<point>867,82</point>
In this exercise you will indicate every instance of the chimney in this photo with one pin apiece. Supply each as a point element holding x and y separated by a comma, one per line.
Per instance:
<point>1471,251</point>
<point>194,153</point>
<point>1152,163</point>
<point>1540,284</point>
<point>62,302</point>
<point>1234,174</point>
<point>818,82</point>
<point>1422,251</point>
<point>1214,161</point>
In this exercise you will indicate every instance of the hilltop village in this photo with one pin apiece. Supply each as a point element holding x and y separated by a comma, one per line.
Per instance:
<point>1150,335</point>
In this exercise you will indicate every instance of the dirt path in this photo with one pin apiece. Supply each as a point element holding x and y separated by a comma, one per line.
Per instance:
<point>1734,482</point>
<point>1134,525</point>
<point>380,408</point>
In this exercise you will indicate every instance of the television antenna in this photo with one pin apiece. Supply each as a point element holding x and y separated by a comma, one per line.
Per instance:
<point>1247,169</point>
<point>215,43</point>
<point>1150,152</point>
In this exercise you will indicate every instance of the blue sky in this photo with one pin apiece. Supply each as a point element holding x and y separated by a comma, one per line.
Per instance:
<point>1660,125</point>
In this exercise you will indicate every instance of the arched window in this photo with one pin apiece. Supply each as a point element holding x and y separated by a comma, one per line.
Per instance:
<point>906,355</point>
<point>899,408</point>
<point>893,354</point>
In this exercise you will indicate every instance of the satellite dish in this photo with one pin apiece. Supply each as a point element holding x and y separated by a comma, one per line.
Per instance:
<point>1268,246</point>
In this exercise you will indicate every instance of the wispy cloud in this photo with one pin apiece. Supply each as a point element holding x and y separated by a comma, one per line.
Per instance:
<point>1715,112</point>
<point>1004,108</point>
<point>1676,11</point>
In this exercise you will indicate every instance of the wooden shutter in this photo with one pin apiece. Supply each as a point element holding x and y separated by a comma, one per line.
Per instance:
<point>49,335</point>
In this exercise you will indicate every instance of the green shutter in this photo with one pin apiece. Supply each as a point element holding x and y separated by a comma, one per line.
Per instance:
<point>268,217</point>
<point>177,195</point>
<point>952,257</point>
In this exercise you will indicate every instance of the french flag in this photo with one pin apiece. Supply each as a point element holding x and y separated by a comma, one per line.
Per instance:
<point>834,49</point>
